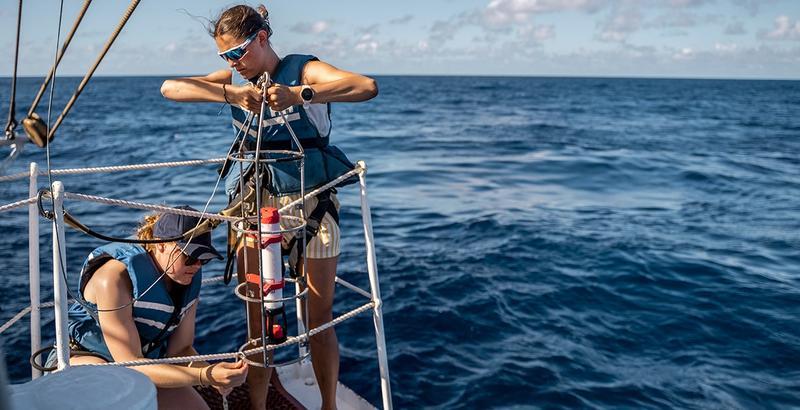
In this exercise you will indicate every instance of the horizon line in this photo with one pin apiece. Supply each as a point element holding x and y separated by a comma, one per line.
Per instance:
<point>588,76</point>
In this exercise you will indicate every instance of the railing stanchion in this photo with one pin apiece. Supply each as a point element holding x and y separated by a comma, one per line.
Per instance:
<point>33,267</point>
<point>59,284</point>
<point>377,312</point>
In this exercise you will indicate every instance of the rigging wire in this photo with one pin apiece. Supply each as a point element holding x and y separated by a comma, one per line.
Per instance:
<point>11,125</point>
<point>10,133</point>
<point>126,16</point>
<point>64,47</point>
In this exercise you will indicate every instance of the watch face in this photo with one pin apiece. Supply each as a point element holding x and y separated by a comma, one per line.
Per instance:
<point>307,94</point>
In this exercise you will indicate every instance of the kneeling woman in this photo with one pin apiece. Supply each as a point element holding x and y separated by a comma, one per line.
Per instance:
<point>140,302</point>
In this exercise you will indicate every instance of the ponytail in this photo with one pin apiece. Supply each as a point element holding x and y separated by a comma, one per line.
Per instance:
<point>145,230</point>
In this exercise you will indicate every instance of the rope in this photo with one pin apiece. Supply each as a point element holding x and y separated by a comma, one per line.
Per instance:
<point>148,207</point>
<point>357,170</point>
<point>15,319</point>
<point>88,76</point>
<point>233,355</point>
<point>50,304</point>
<point>12,121</point>
<point>18,204</point>
<point>216,356</point>
<point>212,280</point>
<point>67,40</point>
<point>24,312</point>
<point>115,168</point>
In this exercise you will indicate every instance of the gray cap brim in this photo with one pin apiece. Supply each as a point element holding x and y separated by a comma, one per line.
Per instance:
<point>200,252</point>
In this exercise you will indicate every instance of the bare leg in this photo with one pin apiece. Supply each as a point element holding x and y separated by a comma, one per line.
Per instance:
<point>257,377</point>
<point>324,346</point>
<point>177,398</point>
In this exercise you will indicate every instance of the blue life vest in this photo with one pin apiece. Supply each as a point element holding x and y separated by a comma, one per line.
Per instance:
<point>323,162</point>
<point>151,312</point>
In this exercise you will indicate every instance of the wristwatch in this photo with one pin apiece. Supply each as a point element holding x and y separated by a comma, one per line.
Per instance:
<point>307,94</point>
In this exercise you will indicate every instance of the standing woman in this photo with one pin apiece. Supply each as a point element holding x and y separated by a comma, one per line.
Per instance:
<point>141,302</point>
<point>302,92</point>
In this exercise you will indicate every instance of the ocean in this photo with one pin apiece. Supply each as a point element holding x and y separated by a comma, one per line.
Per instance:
<point>541,242</point>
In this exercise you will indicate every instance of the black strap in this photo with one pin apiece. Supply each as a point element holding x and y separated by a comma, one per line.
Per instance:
<point>315,142</point>
<point>286,145</point>
<point>324,205</point>
<point>231,254</point>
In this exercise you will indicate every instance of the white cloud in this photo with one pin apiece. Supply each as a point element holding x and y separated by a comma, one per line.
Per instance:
<point>620,25</point>
<point>685,53</point>
<point>367,44</point>
<point>537,33</point>
<point>500,13</point>
<point>784,29</point>
<point>310,28</point>
<point>726,48</point>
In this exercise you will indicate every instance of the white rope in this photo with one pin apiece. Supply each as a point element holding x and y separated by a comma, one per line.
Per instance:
<point>15,319</point>
<point>214,279</point>
<point>116,168</point>
<point>233,355</point>
<point>18,204</point>
<point>149,207</point>
<point>357,170</point>
<point>22,313</point>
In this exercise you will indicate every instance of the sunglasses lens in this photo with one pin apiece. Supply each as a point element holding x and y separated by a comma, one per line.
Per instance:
<point>234,54</point>
<point>191,260</point>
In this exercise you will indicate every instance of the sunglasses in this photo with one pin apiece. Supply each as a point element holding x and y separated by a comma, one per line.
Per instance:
<point>191,260</point>
<point>237,52</point>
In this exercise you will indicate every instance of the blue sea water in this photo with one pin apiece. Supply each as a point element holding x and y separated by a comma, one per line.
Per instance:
<point>542,242</point>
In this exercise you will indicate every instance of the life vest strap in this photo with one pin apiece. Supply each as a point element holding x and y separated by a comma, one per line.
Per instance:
<point>324,206</point>
<point>286,145</point>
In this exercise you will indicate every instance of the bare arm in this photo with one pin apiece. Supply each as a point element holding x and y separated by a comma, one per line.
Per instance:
<point>197,89</point>
<point>112,288</point>
<point>329,83</point>
<point>215,87</point>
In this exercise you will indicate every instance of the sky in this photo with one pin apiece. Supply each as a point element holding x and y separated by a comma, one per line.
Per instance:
<point>642,38</point>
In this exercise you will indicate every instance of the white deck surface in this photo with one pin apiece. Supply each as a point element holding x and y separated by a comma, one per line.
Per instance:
<point>299,381</point>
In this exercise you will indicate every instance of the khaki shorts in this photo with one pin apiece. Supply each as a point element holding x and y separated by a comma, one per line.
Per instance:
<point>326,243</point>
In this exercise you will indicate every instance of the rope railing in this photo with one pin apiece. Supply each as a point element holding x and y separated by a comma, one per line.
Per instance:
<point>115,168</point>
<point>357,170</point>
<point>22,313</point>
<point>198,214</point>
<point>148,207</point>
<point>291,340</point>
<point>18,204</point>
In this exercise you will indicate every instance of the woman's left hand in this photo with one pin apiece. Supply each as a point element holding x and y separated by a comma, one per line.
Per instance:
<point>281,97</point>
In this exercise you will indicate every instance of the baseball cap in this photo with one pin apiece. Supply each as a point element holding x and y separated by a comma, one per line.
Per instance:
<point>171,225</point>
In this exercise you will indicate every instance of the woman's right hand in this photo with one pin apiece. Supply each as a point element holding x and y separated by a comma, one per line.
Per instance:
<point>226,374</point>
<point>246,96</point>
